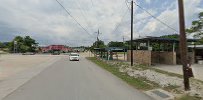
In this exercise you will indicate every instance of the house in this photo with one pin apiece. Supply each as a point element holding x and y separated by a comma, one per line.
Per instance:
<point>60,48</point>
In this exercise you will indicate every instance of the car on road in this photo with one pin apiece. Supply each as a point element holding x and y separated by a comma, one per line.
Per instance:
<point>57,52</point>
<point>28,53</point>
<point>74,57</point>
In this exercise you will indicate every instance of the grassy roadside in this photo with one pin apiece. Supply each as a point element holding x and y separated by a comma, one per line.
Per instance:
<point>188,97</point>
<point>138,83</point>
<point>141,83</point>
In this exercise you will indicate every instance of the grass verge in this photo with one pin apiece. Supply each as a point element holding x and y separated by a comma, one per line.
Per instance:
<point>188,97</point>
<point>142,83</point>
<point>138,83</point>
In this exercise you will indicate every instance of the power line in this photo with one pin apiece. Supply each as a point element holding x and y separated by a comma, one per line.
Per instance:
<point>92,3</point>
<point>152,16</point>
<point>156,18</point>
<point>82,12</point>
<point>159,30</point>
<point>118,24</point>
<point>127,5</point>
<point>72,17</point>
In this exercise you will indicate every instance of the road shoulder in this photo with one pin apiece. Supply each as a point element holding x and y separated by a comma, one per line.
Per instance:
<point>12,83</point>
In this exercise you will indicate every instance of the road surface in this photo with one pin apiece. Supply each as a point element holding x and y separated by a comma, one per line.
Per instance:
<point>72,80</point>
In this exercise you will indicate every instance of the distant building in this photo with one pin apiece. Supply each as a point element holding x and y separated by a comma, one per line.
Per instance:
<point>44,49</point>
<point>60,48</point>
<point>198,52</point>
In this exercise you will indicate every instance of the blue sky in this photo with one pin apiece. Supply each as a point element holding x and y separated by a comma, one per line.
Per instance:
<point>47,22</point>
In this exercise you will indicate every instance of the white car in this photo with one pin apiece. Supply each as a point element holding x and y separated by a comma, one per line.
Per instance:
<point>74,57</point>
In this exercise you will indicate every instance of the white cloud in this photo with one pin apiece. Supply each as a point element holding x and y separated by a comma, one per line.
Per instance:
<point>47,22</point>
<point>170,17</point>
<point>148,1</point>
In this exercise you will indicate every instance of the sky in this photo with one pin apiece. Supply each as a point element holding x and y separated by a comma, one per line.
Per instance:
<point>48,23</point>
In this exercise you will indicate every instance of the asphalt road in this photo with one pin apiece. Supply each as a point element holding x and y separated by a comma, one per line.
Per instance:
<point>72,80</point>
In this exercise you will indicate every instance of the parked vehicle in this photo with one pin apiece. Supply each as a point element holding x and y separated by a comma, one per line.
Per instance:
<point>28,53</point>
<point>74,57</point>
<point>56,52</point>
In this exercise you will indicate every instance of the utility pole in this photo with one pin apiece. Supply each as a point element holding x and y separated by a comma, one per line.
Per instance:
<point>124,46</point>
<point>14,47</point>
<point>183,45</point>
<point>131,43</point>
<point>98,37</point>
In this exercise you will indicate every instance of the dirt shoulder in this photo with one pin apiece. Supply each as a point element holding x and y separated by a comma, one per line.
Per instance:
<point>13,64</point>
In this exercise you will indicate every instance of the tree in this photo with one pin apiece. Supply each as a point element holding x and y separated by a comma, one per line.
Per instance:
<point>173,36</point>
<point>19,41</point>
<point>197,27</point>
<point>1,45</point>
<point>98,44</point>
<point>26,44</point>
<point>24,48</point>
<point>30,43</point>
<point>115,44</point>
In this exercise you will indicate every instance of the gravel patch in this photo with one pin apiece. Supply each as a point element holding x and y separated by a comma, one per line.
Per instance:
<point>163,80</point>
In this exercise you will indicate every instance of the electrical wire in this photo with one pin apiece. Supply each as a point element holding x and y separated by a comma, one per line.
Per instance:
<point>127,5</point>
<point>73,17</point>
<point>92,3</point>
<point>118,24</point>
<point>156,30</point>
<point>156,18</point>
<point>82,12</point>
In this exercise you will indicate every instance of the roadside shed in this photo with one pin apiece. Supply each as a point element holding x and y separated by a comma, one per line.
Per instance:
<point>98,52</point>
<point>114,51</point>
<point>157,50</point>
<point>198,49</point>
<point>107,53</point>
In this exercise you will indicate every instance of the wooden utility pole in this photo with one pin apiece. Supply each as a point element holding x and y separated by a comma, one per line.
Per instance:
<point>131,43</point>
<point>124,46</point>
<point>98,38</point>
<point>183,45</point>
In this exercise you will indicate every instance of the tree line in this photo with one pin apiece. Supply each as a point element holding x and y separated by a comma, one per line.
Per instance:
<point>20,44</point>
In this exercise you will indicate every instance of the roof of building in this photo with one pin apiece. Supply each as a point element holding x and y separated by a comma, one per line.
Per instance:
<point>114,49</point>
<point>196,46</point>
<point>161,39</point>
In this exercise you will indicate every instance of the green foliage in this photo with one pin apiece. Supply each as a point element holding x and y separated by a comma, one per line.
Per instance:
<point>197,26</point>
<point>98,44</point>
<point>169,47</point>
<point>156,47</point>
<point>1,45</point>
<point>115,44</point>
<point>200,15</point>
<point>173,36</point>
<point>188,97</point>
<point>30,44</point>
<point>26,44</point>
<point>201,41</point>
